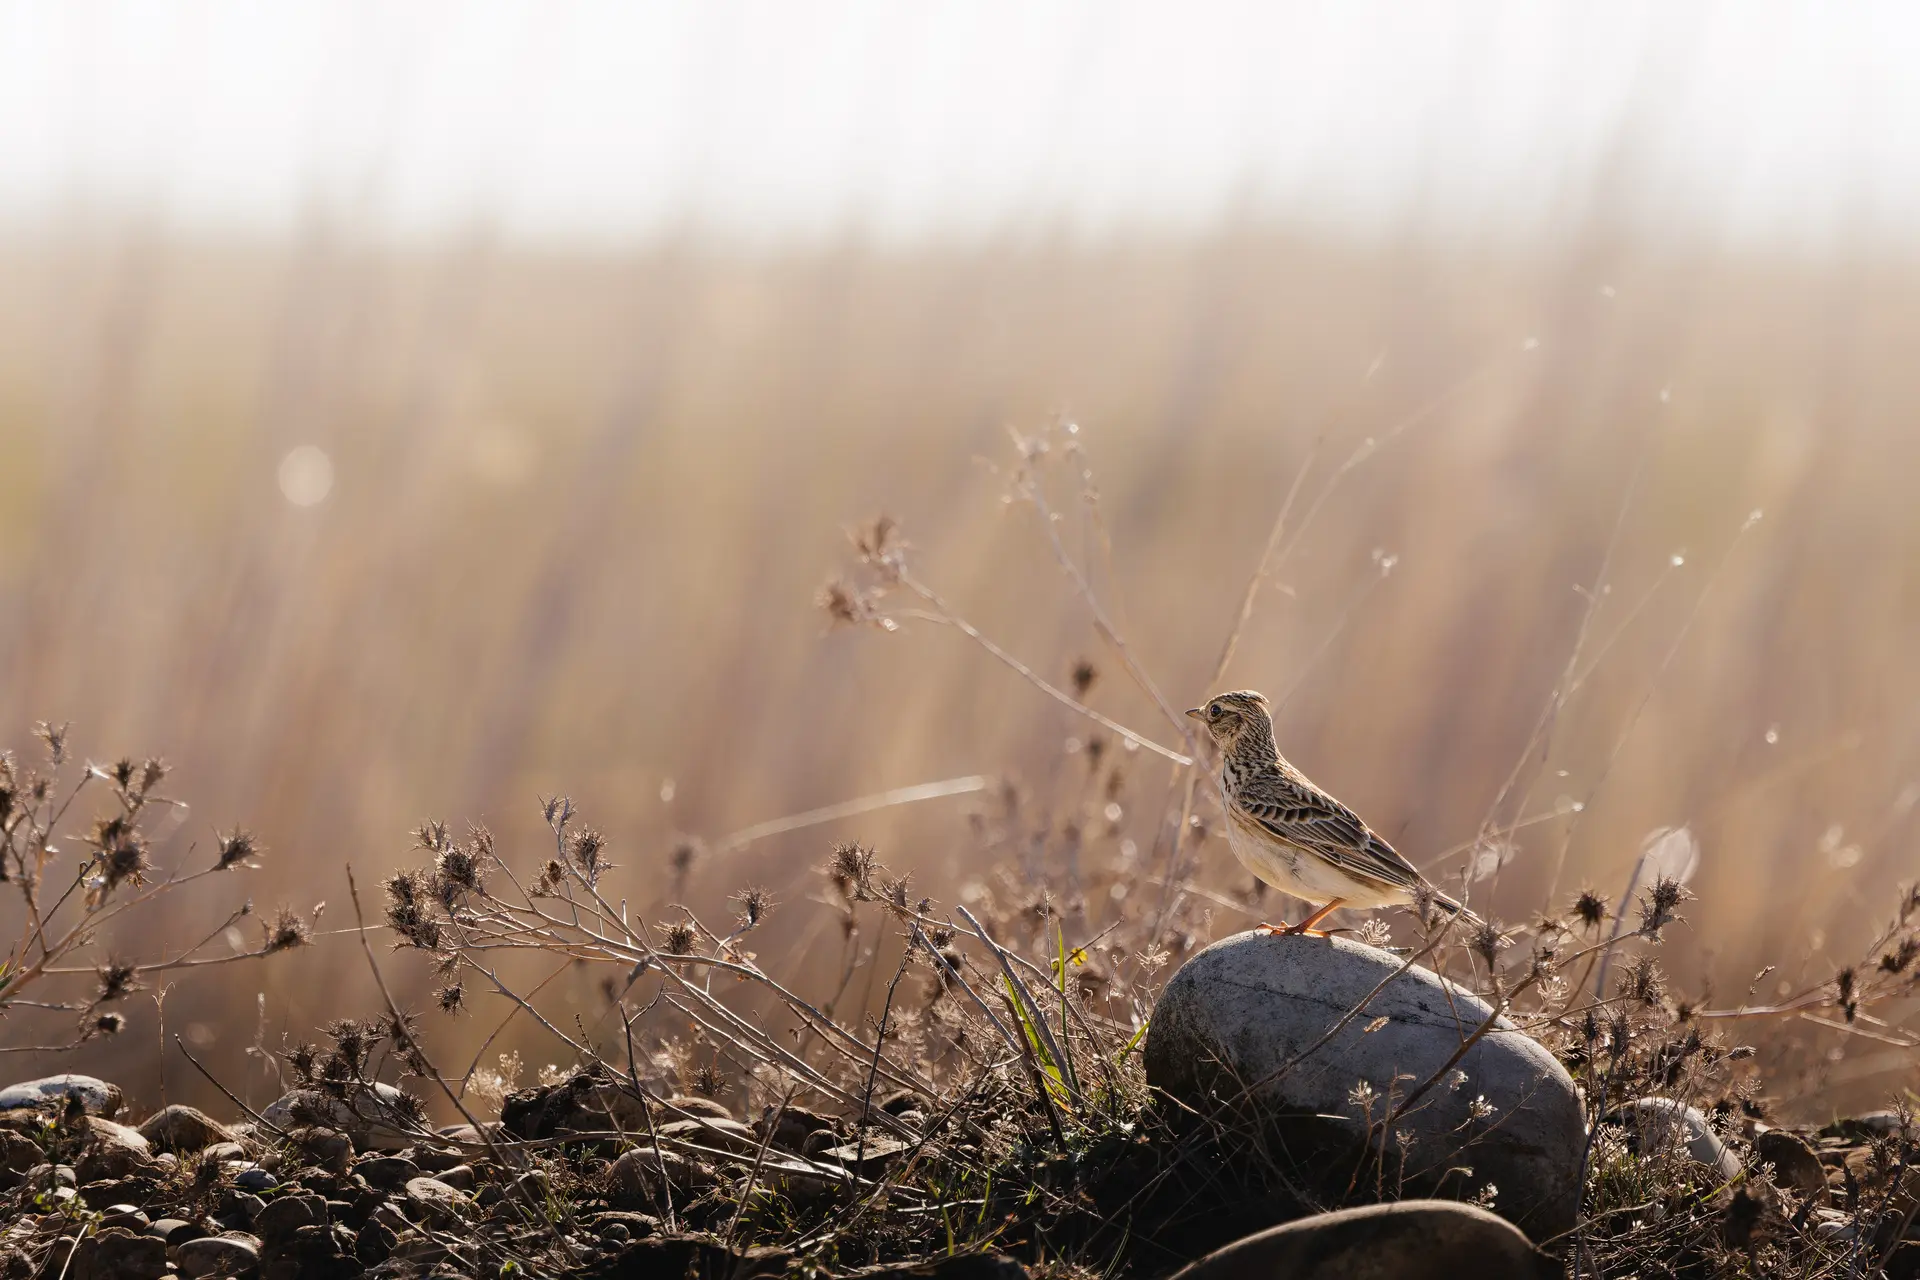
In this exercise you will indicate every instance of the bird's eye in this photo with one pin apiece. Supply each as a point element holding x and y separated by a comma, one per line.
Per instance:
<point>1215,711</point>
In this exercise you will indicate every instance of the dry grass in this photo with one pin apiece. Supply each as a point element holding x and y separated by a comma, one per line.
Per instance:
<point>582,507</point>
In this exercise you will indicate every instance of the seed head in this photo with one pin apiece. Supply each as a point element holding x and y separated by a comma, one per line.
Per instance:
<point>106,1024</point>
<point>680,938</point>
<point>115,979</point>
<point>1657,906</point>
<point>1084,676</point>
<point>237,849</point>
<point>1590,909</point>
<point>287,931</point>
<point>451,998</point>
<point>754,903</point>
<point>851,870</point>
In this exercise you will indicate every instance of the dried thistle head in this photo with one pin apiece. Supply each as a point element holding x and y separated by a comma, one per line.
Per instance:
<point>451,998</point>
<point>880,546</point>
<point>286,931</point>
<point>1590,909</point>
<point>1641,980</point>
<point>1658,906</point>
<point>115,979</point>
<point>678,938</point>
<point>1901,956</point>
<point>237,848</point>
<point>585,847</point>
<point>552,878</point>
<point>55,737</point>
<point>754,904</point>
<point>1487,941</point>
<point>851,870</point>
<point>707,1080</point>
<point>409,911</point>
<point>847,604</point>
<point>103,1024</point>
<point>458,871</point>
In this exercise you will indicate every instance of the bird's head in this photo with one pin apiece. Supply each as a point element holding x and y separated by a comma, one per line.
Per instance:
<point>1230,715</point>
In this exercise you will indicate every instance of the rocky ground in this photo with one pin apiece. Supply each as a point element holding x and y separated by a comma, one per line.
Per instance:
<point>593,1177</point>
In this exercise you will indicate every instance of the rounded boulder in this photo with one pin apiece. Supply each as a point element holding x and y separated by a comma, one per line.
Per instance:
<point>1254,1034</point>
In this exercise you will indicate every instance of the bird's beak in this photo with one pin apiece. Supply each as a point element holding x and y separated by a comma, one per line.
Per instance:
<point>1197,713</point>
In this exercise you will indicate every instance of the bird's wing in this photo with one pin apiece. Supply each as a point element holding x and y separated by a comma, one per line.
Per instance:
<point>1312,820</point>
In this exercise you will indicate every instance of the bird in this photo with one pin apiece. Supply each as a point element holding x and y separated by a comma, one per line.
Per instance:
<point>1293,835</point>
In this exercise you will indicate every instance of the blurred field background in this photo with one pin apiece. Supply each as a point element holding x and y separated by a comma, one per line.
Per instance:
<point>572,501</point>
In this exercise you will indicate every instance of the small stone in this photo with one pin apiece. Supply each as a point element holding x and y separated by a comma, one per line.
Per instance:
<point>791,1126</point>
<point>877,1150</point>
<point>1795,1166</point>
<point>387,1171</point>
<point>255,1179</point>
<point>438,1201</point>
<point>181,1128</point>
<point>58,1175</point>
<point>818,1141</point>
<point>1665,1125</point>
<point>433,1160</point>
<point>1408,1240</point>
<point>645,1175</point>
<point>246,1205</point>
<point>19,1153</point>
<point>175,1230</point>
<point>126,1216</point>
<point>99,1097</point>
<point>724,1135</point>
<point>286,1214</point>
<point>113,1151</point>
<point>378,1119</point>
<point>226,1255</point>
<point>460,1177</point>
<point>221,1152</point>
<point>118,1254</point>
<point>687,1104</point>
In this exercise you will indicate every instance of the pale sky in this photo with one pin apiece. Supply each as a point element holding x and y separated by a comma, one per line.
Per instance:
<point>1745,121</point>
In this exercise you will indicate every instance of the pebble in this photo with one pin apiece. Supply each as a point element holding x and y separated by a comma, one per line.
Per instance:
<point>217,1255</point>
<point>255,1179</point>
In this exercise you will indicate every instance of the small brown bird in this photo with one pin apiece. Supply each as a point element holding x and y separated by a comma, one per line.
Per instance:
<point>1294,836</point>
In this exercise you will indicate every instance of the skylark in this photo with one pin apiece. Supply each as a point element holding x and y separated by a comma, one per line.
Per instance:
<point>1293,835</point>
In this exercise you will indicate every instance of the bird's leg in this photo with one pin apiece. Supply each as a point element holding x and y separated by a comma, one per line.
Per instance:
<point>1305,927</point>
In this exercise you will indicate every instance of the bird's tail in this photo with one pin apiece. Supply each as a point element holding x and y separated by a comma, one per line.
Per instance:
<point>1445,905</point>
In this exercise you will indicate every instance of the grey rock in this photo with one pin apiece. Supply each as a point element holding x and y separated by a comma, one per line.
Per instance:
<point>437,1201</point>
<point>285,1215</point>
<point>375,1120</point>
<point>866,1155</point>
<point>127,1216</point>
<point>387,1171</point>
<point>99,1097</point>
<point>223,1151</point>
<point>705,1131</point>
<point>178,1128</point>
<point>1410,1240</point>
<point>650,1176</point>
<point>247,1206</point>
<point>226,1255</point>
<point>59,1175</point>
<point>688,1104</point>
<point>175,1230</point>
<point>255,1179</point>
<point>19,1153</point>
<point>118,1254</point>
<point>792,1125</point>
<point>113,1151</point>
<point>1795,1166</point>
<point>1243,1021</point>
<point>460,1177</point>
<point>1666,1126</point>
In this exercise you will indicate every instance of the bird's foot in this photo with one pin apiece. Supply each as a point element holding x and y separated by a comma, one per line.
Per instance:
<point>1294,931</point>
